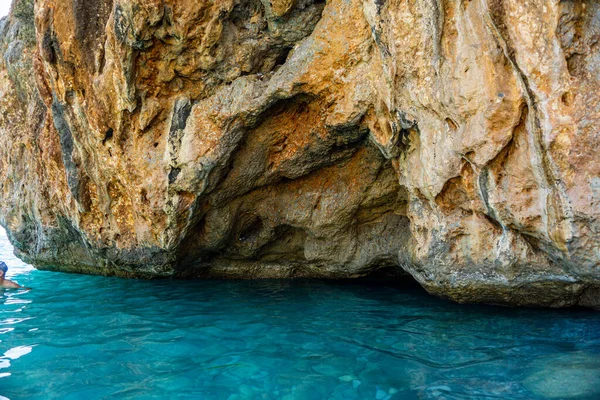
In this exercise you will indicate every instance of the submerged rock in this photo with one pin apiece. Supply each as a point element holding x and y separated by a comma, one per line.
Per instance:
<point>451,141</point>
<point>573,376</point>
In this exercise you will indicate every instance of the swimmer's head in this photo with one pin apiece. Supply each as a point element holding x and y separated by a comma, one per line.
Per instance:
<point>3,268</point>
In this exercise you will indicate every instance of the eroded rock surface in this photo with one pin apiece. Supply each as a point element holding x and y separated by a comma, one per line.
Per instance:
<point>454,141</point>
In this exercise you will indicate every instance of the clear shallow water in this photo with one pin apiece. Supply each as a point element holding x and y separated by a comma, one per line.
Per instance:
<point>78,337</point>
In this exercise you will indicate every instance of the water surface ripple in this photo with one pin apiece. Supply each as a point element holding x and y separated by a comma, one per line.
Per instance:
<point>77,337</point>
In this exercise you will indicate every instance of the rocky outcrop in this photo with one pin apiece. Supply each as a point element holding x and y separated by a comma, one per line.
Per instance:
<point>452,141</point>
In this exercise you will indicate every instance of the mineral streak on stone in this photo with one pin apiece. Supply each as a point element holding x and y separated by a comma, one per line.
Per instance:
<point>452,141</point>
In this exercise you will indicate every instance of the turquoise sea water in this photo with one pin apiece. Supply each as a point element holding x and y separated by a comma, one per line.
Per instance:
<point>83,337</point>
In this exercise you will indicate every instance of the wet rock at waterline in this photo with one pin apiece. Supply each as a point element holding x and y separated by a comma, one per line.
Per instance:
<point>454,142</point>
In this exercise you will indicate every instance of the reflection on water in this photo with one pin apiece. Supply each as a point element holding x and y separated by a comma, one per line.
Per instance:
<point>75,336</point>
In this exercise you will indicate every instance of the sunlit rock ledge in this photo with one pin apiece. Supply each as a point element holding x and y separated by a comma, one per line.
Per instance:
<point>450,142</point>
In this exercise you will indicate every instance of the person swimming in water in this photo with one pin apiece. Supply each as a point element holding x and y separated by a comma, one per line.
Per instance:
<point>5,283</point>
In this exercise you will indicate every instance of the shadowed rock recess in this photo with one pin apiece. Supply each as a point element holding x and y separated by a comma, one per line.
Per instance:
<point>452,141</point>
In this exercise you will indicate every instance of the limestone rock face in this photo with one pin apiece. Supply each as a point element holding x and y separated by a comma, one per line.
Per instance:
<point>453,141</point>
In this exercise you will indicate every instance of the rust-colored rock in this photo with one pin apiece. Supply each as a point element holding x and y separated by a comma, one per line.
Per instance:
<point>453,141</point>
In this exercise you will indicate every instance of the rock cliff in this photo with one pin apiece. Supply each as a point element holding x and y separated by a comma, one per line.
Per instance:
<point>453,141</point>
